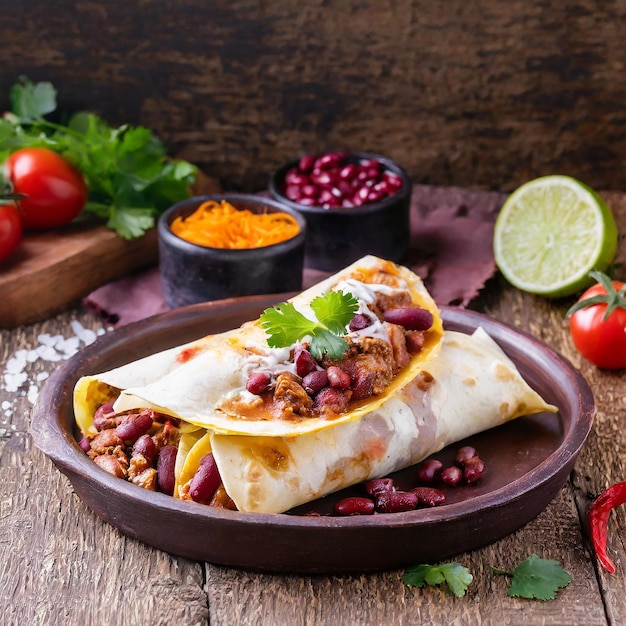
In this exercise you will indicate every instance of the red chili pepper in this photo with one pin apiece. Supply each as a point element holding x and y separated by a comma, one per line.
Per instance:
<point>598,518</point>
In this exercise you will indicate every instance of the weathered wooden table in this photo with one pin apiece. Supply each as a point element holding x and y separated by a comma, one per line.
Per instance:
<point>60,564</point>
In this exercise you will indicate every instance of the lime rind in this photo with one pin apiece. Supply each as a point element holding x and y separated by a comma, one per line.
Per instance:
<point>550,233</point>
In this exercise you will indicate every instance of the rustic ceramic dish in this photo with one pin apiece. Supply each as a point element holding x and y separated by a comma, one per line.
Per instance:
<point>337,237</point>
<point>191,273</point>
<point>527,460</point>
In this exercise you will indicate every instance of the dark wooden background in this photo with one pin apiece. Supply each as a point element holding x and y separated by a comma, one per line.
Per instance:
<point>483,94</point>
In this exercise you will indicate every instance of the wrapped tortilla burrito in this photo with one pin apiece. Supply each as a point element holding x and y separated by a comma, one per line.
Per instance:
<point>398,393</point>
<point>206,383</point>
<point>469,387</point>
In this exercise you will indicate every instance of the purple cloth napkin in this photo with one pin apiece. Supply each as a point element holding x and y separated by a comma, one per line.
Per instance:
<point>451,250</point>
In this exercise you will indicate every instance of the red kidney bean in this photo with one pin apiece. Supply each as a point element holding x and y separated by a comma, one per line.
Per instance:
<point>464,453</point>
<point>359,322</point>
<point>293,192</point>
<point>355,506</point>
<point>109,464</point>
<point>473,469</point>
<point>314,381</point>
<point>429,470</point>
<point>103,415</point>
<point>134,425</point>
<point>452,475</point>
<point>166,462</point>
<point>393,181</point>
<point>322,178</point>
<point>85,444</point>
<point>337,378</point>
<point>378,485</point>
<point>429,496</point>
<point>258,382</point>
<point>146,447</point>
<point>395,501</point>
<point>335,400</point>
<point>409,317</point>
<point>304,361</point>
<point>206,480</point>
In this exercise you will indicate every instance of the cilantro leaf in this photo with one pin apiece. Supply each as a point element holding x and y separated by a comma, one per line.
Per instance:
<point>31,101</point>
<point>335,310</point>
<point>453,576</point>
<point>285,325</point>
<point>536,578</point>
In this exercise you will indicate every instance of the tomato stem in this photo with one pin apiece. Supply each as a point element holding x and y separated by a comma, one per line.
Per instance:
<point>612,298</point>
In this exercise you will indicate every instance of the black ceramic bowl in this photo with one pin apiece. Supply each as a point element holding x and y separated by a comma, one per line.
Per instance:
<point>191,273</point>
<point>338,236</point>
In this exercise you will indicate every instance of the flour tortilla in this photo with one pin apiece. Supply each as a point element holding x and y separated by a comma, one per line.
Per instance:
<point>474,387</point>
<point>214,370</point>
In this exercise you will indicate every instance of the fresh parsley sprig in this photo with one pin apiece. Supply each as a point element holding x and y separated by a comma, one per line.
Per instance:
<point>536,578</point>
<point>452,576</point>
<point>285,325</point>
<point>533,579</point>
<point>130,178</point>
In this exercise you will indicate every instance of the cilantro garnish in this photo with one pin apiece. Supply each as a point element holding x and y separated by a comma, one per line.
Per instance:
<point>453,576</point>
<point>536,578</point>
<point>285,325</point>
<point>130,179</point>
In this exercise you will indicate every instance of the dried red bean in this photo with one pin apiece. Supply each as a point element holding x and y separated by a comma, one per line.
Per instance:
<point>359,322</point>
<point>429,496</point>
<point>409,317</point>
<point>134,425</point>
<point>337,378</point>
<point>378,485</point>
<point>110,464</point>
<point>166,463</point>
<point>103,415</point>
<point>429,470</point>
<point>146,447</point>
<point>395,501</point>
<point>335,400</point>
<point>258,382</point>
<point>355,506</point>
<point>314,381</point>
<point>473,469</point>
<point>452,475</point>
<point>306,163</point>
<point>304,361</point>
<point>85,444</point>
<point>206,480</point>
<point>464,453</point>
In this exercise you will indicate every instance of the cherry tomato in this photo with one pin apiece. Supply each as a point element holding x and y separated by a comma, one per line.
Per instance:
<point>599,337</point>
<point>55,190</point>
<point>10,229</point>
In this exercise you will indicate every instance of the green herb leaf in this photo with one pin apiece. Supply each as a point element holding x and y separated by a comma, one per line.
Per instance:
<point>536,578</point>
<point>285,325</point>
<point>453,576</point>
<point>31,101</point>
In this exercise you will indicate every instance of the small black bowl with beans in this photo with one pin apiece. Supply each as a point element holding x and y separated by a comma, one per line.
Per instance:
<point>354,203</point>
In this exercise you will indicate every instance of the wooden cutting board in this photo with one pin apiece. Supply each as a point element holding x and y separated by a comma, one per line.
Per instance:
<point>51,270</point>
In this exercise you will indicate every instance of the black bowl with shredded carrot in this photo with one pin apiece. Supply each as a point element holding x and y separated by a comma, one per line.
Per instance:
<point>231,245</point>
<point>218,224</point>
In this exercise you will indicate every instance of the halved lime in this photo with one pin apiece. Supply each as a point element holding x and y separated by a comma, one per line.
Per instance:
<point>550,233</point>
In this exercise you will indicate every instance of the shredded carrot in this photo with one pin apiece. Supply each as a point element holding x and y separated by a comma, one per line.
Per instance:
<point>221,225</point>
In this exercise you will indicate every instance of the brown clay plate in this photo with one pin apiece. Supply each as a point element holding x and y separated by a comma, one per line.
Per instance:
<point>527,462</point>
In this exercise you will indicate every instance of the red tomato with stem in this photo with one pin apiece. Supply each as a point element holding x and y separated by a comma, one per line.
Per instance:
<point>10,229</point>
<point>55,191</point>
<point>598,323</point>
